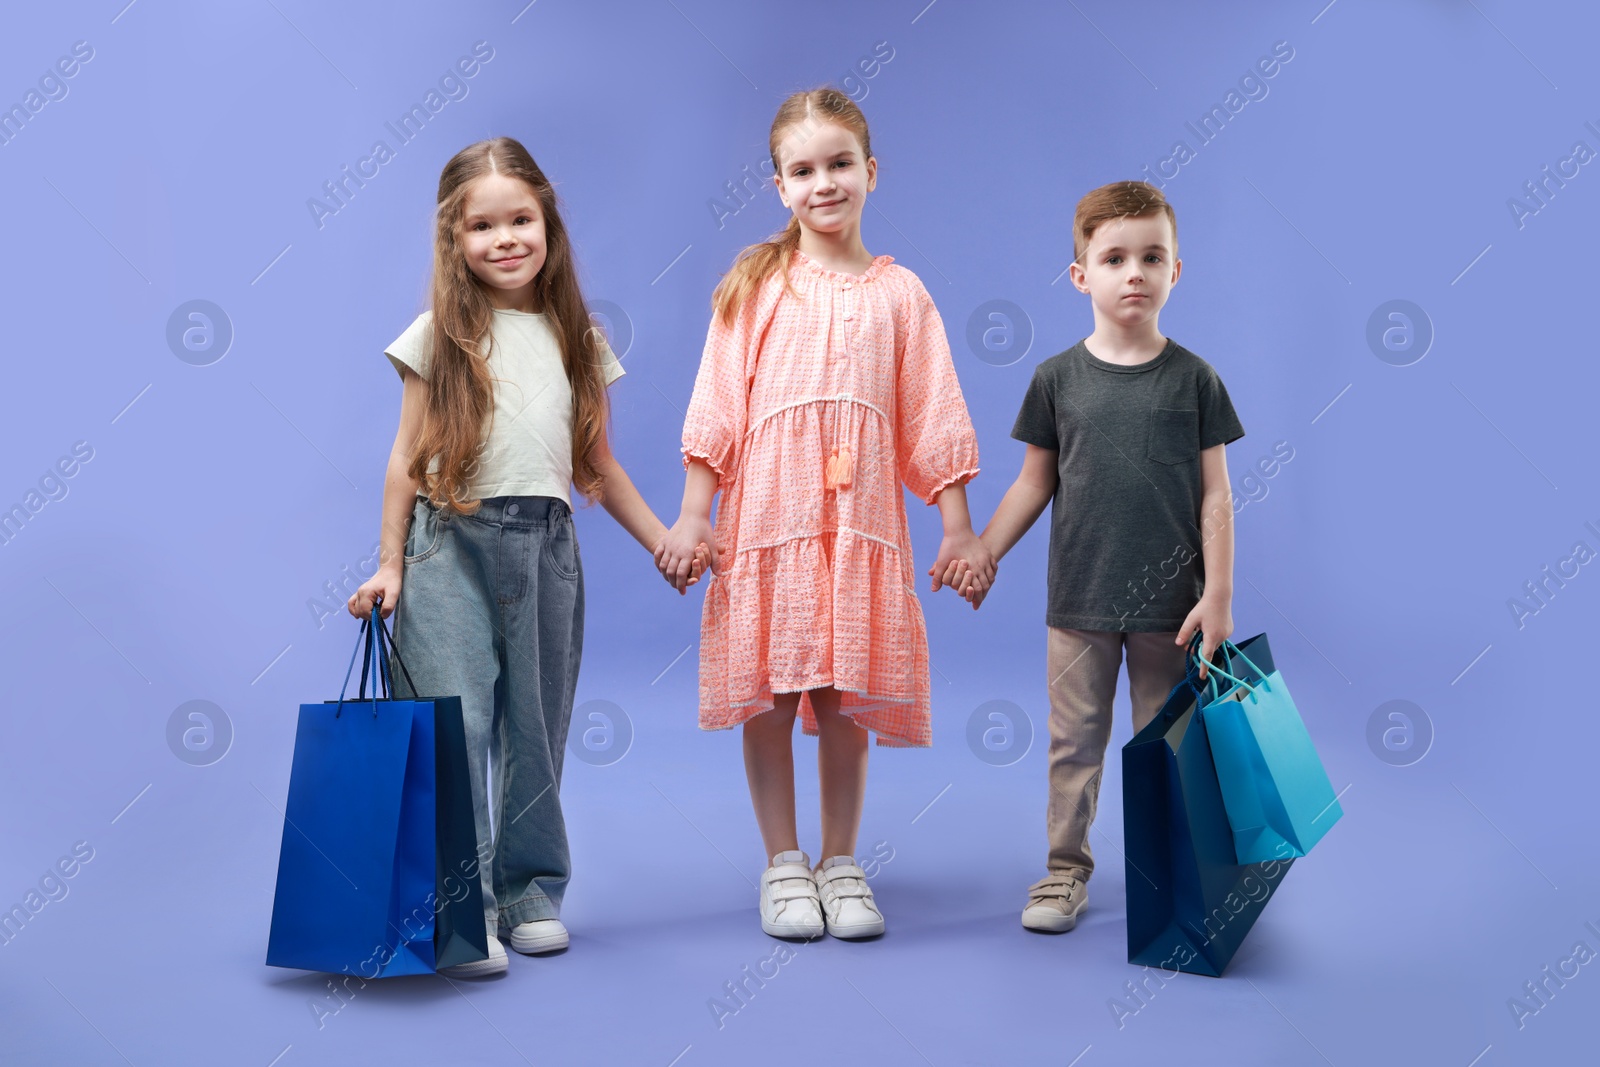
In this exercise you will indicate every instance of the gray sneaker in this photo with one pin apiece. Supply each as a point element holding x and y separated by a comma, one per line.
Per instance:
<point>1053,904</point>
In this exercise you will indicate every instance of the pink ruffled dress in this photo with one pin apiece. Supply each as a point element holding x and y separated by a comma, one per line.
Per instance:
<point>814,406</point>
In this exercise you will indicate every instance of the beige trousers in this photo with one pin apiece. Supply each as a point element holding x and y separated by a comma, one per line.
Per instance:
<point>1083,668</point>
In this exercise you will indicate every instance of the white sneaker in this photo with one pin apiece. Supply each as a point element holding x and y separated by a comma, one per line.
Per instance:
<point>537,935</point>
<point>495,964</point>
<point>789,905</point>
<point>847,899</point>
<point>1053,904</point>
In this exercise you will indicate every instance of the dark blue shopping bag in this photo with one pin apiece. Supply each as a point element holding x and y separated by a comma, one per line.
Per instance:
<point>378,871</point>
<point>1190,904</point>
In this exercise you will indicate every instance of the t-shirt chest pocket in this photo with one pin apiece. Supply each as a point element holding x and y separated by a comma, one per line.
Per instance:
<point>1174,435</point>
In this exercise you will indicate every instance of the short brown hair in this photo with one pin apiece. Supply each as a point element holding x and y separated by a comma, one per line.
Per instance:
<point>1119,200</point>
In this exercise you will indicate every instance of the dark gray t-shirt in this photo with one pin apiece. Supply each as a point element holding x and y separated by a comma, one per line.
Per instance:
<point>1125,540</point>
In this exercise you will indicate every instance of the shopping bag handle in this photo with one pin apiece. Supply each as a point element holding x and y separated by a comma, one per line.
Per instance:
<point>364,641</point>
<point>381,671</point>
<point>1212,669</point>
<point>385,646</point>
<point>1237,651</point>
<point>1228,650</point>
<point>1191,674</point>
<point>376,641</point>
<point>383,624</point>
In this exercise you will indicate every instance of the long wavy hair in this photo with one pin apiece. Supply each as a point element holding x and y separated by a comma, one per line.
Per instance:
<point>460,389</point>
<point>758,262</point>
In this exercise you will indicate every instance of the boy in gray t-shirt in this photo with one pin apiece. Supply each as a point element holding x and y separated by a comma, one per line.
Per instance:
<point>1125,433</point>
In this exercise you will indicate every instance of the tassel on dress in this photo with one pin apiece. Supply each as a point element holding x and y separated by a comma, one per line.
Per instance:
<point>840,469</point>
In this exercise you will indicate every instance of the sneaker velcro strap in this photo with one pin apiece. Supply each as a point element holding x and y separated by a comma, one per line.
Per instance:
<point>793,892</point>
<point>847,890</point>
<point>1064,890</point>
<point>788,870</point>
<point>844,870</point>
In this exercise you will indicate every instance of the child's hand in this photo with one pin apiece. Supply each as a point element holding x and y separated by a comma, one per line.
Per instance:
<point>965,564</point>
<point>963,579</point>
<point>975,597</point>
<point>702,562</point>
<point>1213,617</point>
<point>970,590</point>
<point>385,584</point>
<point>969,586</point>
<point>676,554</point>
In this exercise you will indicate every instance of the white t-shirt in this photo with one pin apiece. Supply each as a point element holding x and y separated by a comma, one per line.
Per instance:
<point>527,440</point>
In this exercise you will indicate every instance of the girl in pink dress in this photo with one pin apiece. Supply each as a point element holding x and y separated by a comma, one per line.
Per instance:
<point>826,384</point>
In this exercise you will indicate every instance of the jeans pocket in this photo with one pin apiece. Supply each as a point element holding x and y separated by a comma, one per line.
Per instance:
<point>561,548</point>
<point>1174,435</point>
<point>426,534</point>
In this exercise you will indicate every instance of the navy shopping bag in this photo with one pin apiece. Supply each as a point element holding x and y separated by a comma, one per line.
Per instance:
<point>378,870</point>
<point>1190,904</point>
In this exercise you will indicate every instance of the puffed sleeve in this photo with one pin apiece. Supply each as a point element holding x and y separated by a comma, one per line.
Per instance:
<point>714,428</point>
<point>934,440</point>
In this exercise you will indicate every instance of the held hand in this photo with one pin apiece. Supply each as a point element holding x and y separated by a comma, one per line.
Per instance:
<point>1213,617</point>
<point>702,562</point>
<point>689,540</point>
<point>964,550</point>
<point>963,579</point>
<point>957,575</point>
<point>384,584</point>
<point>975,596</point>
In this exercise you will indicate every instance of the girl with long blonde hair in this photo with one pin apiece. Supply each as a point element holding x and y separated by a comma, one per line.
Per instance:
<point>825,386</point>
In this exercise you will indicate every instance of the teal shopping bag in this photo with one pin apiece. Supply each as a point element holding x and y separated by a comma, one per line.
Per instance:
<point>1277,795</point>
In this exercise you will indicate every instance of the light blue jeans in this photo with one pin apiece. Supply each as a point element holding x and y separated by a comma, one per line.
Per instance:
<point>491,610</point>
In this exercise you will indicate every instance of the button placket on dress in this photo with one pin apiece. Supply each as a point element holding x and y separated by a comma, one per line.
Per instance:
<point>840,467</point>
